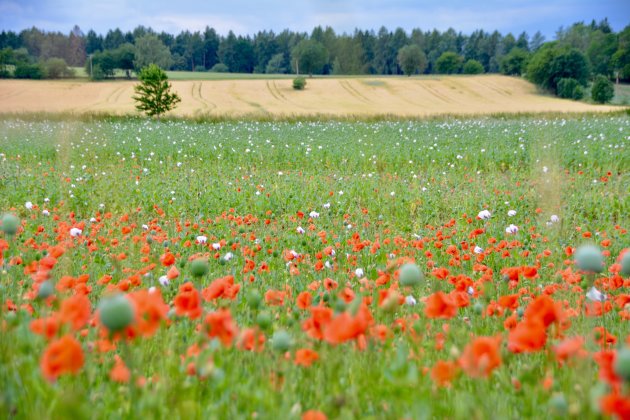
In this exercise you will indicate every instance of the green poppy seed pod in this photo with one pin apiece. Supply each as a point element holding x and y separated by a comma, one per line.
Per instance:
<point>263,320</point>
<point>254,299</point>
<point>199,267</point>
<point>622,364</point>
<point>410,275</point>
<point>10,224</point>
<point>625,264</point>
<point>281,341</point>
<point>46,290</point>
<point>478,308</point>
<point>116,312</point>
<point>558,405</point>
<point>589,258</point>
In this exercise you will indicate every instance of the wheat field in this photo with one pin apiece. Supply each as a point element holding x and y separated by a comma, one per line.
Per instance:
<point>361,96</point>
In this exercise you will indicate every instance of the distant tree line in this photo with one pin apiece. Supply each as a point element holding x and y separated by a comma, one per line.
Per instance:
<point>588,49</point>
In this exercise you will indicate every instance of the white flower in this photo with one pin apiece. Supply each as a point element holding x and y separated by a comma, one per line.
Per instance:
<point>410,300</point>
<point>152,289</point>
<point>28,205</point>
<point>359,272</point>
<point>511,229</point>
<point>164,281</point>
<point>145,227</point>
<point>554,218</point>
<point>327,264</point>
<point>228,256</point>
<point>595,295</point>
<point>326,205</point>
<point>45,212</point>
<point>314,214</point>
<point>484,214</point>
<point>478,249</point>
<point>46,200</point>
<point>545,169</point>
<point>202,239</point>
<point>216,246</point>
<point>75,232</point>
<point>300,230</point>
<point>512,213</point>
<point>470,290</point>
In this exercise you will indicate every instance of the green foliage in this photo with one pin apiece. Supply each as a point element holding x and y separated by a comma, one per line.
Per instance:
<point>219,68</point>
<point>472,67</point>
<point>29,71</point>
<point>602,90</point>
<point>552,63</point>
<point>276,65</point>
<point>569,88</point>
<point>299,83</point>
<point>515,62</point>
<point>412,60</point>
<point>56,68</point>
<point>449,63</point>
<point>309,57</point>
<point>153,94</point>
<point>151,50</point>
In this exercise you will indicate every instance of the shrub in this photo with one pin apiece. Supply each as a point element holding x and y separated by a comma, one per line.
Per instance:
<point>473,67</point>
<point>570,88</point>
<point>299,83</point>
<point>449,63</point>
<point>219,68</point>
<point>602,90</point>
<point>56,68</point>
<point>29,71</point>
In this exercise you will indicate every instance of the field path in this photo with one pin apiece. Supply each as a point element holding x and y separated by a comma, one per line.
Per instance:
<point>360,96</point>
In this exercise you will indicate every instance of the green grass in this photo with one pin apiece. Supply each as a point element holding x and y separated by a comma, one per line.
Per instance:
<point>252,184</point>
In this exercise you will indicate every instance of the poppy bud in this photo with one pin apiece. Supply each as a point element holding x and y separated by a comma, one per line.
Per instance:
<point>281,341</point>
<point>253,299</point>
<point>410,275</point>
<point>199,267</point>
<point>116,312</point>
<point>622,364</point>
<point>10,224</point>
<point>589,258</point>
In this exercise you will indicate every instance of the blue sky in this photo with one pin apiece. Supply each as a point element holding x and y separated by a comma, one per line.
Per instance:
<point>248,17</point>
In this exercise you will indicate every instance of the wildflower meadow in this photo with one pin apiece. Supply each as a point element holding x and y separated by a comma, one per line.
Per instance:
<point>443,268</point>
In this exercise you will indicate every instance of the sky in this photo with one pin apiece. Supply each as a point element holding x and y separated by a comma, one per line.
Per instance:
<point>249,16</point>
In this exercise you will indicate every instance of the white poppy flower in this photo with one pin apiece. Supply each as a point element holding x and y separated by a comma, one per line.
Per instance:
<point>484,214</point>
<point>202,239</point>
<point>512,229</point>
<point>410,300</point>
<point>75,232</point>
<point>512,213</point>
<point>28,205</point>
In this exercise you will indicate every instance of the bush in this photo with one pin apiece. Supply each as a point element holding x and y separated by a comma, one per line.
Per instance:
<point>299,83</point>
<point>449,63</point>
<point>4,73</point>
<point>602,90</point>
<point>570,88</point>
<point>473,67</point>
<point>56,68</point>
<point>219,68</point>
<point>29,71</point>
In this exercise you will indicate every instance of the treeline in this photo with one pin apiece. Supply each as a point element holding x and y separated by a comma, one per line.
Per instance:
<point>385,52</point>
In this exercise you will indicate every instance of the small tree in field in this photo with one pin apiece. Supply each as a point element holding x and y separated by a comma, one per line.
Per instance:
<point>154,95</point>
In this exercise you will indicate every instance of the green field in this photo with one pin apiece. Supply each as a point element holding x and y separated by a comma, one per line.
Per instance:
<point>326,211</point>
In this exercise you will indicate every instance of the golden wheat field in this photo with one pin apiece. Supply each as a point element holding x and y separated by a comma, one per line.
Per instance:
<point>363,96</point>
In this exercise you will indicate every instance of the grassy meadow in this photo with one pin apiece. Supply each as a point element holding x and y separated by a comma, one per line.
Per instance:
<point>262,260</point>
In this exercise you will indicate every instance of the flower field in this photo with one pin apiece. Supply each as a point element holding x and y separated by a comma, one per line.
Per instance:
<point>428,269</point>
